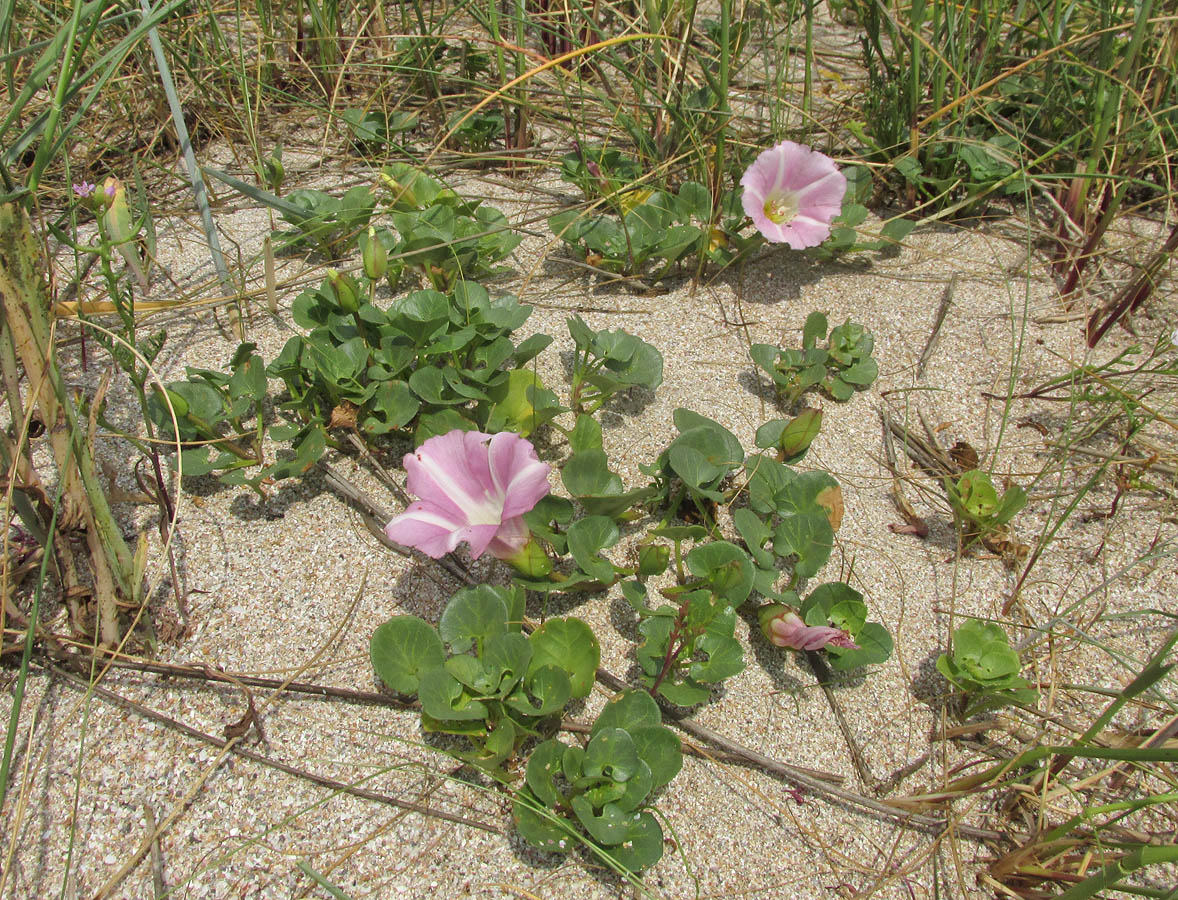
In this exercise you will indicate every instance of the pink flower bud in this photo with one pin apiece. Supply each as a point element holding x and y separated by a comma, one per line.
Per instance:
<point>783,627</point>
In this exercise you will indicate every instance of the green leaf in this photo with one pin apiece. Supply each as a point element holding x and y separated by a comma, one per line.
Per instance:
<point>687,692</point>
<point>611,826</point>
<point>896,230</point>
<point>629,710</point>
<point>393,406</point>
<point>611,754</point>
<point>586,435</point>
<point>838,603</point>
<point>724,652</point>
<point>875,646</point>
<point>543,766</point>
<point>402,649</point>
<point>587,473</point>
<point>755,533</point>
<point>479,678</point>
<point>473,615</point>
<point>549,685</point>
<point>443,698</point>
<point>808,537</point>
<point>441,422</point>
<point>814,330</point>
<point>540,828</point>
<point>588,536</point>
<point>643,845</point>
<point>660,749</point>
<point>726,568</point>
<point>509,654</point>
<point>570,645</point>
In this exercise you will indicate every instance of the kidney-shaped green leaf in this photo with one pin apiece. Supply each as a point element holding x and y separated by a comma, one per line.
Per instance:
<point>570,645</point>
<point>402,649</point>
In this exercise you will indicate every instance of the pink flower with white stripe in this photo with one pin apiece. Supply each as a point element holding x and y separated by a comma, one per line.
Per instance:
<point>473,487</point>
<point>792,193</point>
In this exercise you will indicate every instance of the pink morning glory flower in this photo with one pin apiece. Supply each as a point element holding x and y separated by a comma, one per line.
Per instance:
<point>784,628</point>
<point>83,190</point>
<point>792,193</point>
<point>474,487</point>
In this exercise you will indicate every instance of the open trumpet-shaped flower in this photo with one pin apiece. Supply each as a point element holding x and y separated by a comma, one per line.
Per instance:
<point>792,193</point>
<point>784,628</point>
<point>473,487</point>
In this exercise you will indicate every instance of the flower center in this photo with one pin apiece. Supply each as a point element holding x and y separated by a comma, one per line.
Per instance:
<point>781,207</point>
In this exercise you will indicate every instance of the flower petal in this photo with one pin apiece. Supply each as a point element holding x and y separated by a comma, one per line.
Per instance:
<point>450,473</point>
<point>519,476</point>
<point>426,530</point>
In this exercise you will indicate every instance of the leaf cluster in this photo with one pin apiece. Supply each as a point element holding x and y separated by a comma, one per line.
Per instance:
<point>842,367</point>
<point>690,643</point>
<point>441,235</point>
<point>599,795</point>
<point>606,362</point>
<point>984,667</point>
<point>479,677</point>
<point>979,511</point>
<point>324,223</point>
<point>640,227</point>
<point>431,362</point>
<point>213,412</point>
<point>695,465</point>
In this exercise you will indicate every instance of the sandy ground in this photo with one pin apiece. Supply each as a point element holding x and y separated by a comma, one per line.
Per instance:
<point>295,583</point>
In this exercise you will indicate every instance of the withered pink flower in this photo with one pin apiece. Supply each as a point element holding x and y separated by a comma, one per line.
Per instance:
<point>474,487</point>
<point>792,193</point>
<point>784,628</point>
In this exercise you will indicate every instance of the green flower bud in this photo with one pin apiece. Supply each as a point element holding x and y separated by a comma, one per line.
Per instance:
<point>530,560</point>
<point>653,559</point>
<point>347,294</point>
<point>374,256</point>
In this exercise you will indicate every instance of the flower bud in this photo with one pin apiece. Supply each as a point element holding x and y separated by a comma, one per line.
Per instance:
<point>530,560</point>
<point>374,256</point>
<point>346,294</point>
<point>273,171</point>
<point>783,627</point>
<point>178,403</point>
<point>653,559</point>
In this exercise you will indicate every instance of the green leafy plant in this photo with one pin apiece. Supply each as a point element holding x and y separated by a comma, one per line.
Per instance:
<point>606,362</point>
<point>984,668</point>
<point>479,678</point>
<point>840,605</point>
<point>982,515</point>
<point>442,236</point>
<point>374,130</point>
<point>644,226</point>
<point>600,172</point>
<point>695,465</point>
<point>842,367</point>
<point>478,132</point>
<point>212,410</point>
<point>431,362</point>
<point>324,223</point>
<point>587,476</point>
<point>689,644</point>
<point>599,795</point>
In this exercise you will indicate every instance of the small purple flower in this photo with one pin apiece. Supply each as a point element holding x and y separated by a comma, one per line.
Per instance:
<point>84,190</point>
<point>784,628</point>
<point>474,487</point>
<point>792,193</point>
